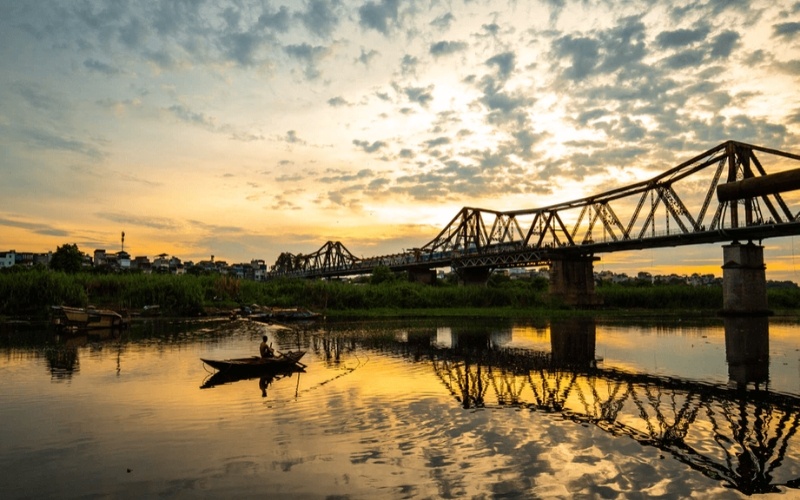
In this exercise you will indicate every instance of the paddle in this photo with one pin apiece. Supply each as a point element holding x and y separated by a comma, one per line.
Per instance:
<point>298,363</point>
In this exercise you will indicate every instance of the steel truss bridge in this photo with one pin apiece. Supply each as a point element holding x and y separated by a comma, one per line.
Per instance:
<point>725,194</point>
<point>739,437</point>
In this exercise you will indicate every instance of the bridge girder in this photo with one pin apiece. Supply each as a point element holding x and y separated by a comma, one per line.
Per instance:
<point>668,210</point>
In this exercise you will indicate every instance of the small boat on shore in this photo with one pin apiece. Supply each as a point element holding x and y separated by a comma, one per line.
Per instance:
<point>254,366</point>
<point>285,315</point>
<point>294,314</point>
<point>87,318</point>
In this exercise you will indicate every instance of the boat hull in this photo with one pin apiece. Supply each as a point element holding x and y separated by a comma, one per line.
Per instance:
<point>87,318</point>
<point>256,366</point>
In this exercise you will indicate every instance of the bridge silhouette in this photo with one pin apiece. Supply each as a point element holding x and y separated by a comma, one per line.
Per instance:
<point>739,433</point>
<point>675,208</point>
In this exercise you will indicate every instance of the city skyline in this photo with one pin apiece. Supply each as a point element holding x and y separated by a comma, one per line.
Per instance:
<point>244,130</point>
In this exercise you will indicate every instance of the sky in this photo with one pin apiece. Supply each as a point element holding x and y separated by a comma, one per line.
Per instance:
<point>243,129</point>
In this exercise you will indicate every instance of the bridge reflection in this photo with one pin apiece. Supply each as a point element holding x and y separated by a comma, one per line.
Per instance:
<point>740,433</point>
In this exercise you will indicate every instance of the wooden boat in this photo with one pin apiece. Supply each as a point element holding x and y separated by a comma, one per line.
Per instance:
<point>285,315</point>
<point>295,314</point>
<point>87,318</point>
<point>265,375</point>
<point>289,361</point>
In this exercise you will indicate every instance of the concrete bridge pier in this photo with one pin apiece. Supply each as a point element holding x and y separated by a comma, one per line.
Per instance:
<point>572,280</point>
<point>744,280</point>
<point>474,275</point>
<point>421,275</point>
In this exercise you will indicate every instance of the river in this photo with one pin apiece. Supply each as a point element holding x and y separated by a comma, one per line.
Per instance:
<point>468,408</point>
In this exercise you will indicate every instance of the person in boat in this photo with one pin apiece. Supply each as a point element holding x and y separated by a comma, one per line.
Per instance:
<point>265,349</point>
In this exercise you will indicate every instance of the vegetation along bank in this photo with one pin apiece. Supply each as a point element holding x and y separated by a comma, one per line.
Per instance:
<point>31,293</point>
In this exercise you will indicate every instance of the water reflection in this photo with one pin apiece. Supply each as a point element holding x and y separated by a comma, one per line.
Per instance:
<point>737,433</point>
<point>61,352</point>
<point>747,350</point>
<point>374,403</point>
<point>264,380</point>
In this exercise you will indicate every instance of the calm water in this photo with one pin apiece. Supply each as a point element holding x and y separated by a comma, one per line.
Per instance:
<point>406,409</point>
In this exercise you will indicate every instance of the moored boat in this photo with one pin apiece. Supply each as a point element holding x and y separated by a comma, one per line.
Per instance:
<point>294,314</point>
<point>284,315</point>
<point>87,318</point>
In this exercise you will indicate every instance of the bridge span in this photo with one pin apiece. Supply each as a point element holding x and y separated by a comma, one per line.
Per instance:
<point>734,193</point>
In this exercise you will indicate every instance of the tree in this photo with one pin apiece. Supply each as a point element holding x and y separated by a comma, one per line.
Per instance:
<point>382,274</point>
<point>67,258</point>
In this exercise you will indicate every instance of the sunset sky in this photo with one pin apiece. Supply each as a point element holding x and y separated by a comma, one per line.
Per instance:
<point>244,129</point>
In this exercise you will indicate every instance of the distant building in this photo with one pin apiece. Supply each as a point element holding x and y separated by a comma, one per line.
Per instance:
<point>8,259</point>
<point>176,266</point>
<point>259,269</point>
<point>43,258</point>
<point>26,259</point>
<point>161,264</point>
<point>142,263</point>
<point>123,260</point>
<point>100,257</point>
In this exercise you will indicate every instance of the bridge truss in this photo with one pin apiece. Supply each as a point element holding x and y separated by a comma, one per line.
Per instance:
<point>677,207</point>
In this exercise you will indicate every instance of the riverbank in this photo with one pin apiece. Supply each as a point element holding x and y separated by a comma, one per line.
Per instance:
<point>31,294</point>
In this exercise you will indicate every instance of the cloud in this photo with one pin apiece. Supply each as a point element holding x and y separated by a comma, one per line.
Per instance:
<point>282,203</point>
<point>435,143</point>
<point>338,101</point>
<point>681,37</point>
<point>43,139</point>
<point>379,16</point>
<point>492,29</point>
<point>319,18</point>
<point>524,100</point>
<point>338,176</point>
<point>723,44</point>
<point>786,30</point>
<point>309,55</point>
<point>133,34</point>
<point>582,54</point>
<point>408,65</point>
<point>39,98</point>
<point>370,148</point>
<point>292,138</point>
<point>160,223</point>
<point>686,59</point>
<point>504,63</point>
<point>419,95</point>
<point>277,21</point>
<point>367,56</point>
<point>187,115</point>
<point>100,67</point>
<point>296,177</point>
<point>446,48</point>
<point>242,47</point>
<point>504,106</point>
<point>444,21</point>
<point>35,227</point>
<point>623,45</point>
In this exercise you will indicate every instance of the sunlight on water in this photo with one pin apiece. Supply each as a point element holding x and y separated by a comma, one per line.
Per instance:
<point>405,409</point>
